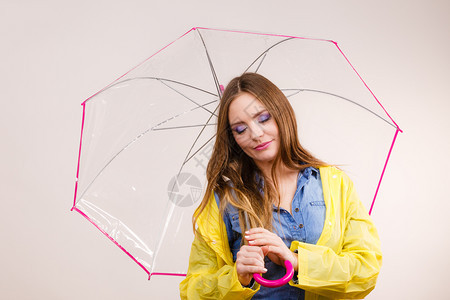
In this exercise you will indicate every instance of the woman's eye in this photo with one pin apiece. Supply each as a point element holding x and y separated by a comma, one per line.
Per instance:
<point>240,129</point>
<point>264,117</point>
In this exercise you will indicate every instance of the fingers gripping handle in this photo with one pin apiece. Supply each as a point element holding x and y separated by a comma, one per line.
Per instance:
<point>279,282</point>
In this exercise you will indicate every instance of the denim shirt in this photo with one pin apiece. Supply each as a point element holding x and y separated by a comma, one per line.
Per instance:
<point>305,224</point>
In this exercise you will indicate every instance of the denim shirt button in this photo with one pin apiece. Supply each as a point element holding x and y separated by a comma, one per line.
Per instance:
<point>300,226</point>
<point>296,209</point>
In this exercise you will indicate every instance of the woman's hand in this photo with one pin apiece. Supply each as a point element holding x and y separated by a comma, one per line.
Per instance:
<point>272,246</point>
<point>249,260</point>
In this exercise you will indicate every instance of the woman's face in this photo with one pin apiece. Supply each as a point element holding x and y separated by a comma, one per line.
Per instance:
<point>254,129</point>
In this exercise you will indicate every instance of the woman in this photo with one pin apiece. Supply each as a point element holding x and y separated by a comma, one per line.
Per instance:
<point>289,205</point>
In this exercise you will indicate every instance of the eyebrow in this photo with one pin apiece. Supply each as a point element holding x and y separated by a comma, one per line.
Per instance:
<point>253,116</point>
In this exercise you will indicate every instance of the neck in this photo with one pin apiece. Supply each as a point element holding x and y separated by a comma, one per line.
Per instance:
<point>281,171</point>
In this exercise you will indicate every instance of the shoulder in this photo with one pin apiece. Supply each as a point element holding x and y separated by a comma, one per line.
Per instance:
<point>333,172</point>
<point>336,183</point>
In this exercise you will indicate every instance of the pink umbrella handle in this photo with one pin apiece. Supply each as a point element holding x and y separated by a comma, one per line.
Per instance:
<point>279,282</point>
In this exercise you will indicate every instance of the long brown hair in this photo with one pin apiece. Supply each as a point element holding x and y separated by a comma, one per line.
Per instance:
<point>231,173</point>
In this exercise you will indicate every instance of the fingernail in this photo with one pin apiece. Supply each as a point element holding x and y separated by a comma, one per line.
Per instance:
<point>251,242</point>
<point>265,270</point>
<point>247,237</point>
<point>247,232</point>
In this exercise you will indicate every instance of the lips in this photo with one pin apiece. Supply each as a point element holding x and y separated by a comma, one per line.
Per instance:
<point>263,146</point>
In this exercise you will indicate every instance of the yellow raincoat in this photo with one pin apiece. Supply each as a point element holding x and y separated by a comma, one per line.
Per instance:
<point>344,264</point>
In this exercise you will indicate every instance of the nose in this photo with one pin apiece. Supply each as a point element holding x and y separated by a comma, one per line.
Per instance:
<point>257,131</point>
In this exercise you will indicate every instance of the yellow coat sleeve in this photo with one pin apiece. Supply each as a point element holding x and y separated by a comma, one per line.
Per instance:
<point>209,277</point>
<point>345,265</point>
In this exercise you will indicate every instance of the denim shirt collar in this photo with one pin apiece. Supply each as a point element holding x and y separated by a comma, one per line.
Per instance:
<point>307,172</point>
<point>302,178</point>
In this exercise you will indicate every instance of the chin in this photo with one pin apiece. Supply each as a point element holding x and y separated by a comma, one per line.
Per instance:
<point>265,159</point>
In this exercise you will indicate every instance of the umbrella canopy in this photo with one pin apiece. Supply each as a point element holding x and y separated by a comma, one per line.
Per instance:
<point>147,137</point>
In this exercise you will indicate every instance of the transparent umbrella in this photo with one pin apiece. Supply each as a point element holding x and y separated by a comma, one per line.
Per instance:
<point>147,137</point>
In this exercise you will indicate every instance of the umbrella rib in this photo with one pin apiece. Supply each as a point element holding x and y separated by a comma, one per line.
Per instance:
<point>179,127</point>
<point>196,139</point>
<point>216,80</point>
<point>296,92</point>
<point>156,78</point>
<point>171,207</point>
<point>265,53</point>
<point>176,91</point>
<point>341,97</point>
<point>176,116</point>
<point>114,157</point>
<point>141,135</point>
<point>189,158</point>
<point>169,214</point>
<point>260,63</point>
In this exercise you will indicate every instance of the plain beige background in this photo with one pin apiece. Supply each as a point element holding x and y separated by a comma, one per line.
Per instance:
<point>55,54</point>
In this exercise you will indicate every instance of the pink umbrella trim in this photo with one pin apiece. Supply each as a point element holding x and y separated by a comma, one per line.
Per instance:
<point>384,169</point>
<point>122,248</point>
